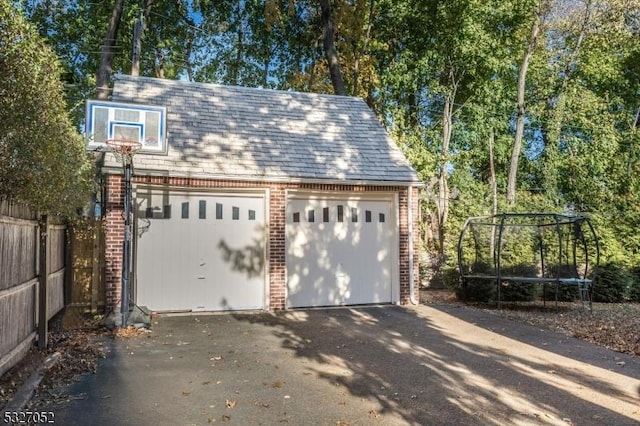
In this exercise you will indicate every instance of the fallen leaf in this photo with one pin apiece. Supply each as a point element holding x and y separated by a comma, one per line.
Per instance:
<point>230,403</point>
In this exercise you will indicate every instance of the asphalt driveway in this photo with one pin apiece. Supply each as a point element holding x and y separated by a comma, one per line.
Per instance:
<point>355,366</point>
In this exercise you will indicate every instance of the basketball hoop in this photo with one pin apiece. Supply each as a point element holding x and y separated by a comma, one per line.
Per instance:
<point>123,149</point>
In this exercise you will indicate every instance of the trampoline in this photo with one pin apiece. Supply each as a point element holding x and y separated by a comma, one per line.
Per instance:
<point>530,248</point>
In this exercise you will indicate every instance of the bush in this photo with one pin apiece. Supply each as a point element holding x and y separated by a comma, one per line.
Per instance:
<point>518,291</point>
<point>633,294</point>
<point>477,289</point>
<point>613,283</point>
<point>565,293</point>
<point>42,158</point>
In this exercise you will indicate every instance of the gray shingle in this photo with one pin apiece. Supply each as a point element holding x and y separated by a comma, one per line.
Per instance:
<point>244,132</point>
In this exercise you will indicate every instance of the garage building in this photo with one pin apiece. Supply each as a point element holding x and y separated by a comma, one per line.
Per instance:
<point>258,199</point>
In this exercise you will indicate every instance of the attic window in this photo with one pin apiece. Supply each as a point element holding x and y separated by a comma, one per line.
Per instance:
<point>235,213</point>
<point>218,211</point>
<point>354,214</point>
<point>202,209</point>
<point>340,214</point>
<point>185,210</point>
<point>325,214</point>
<point>296,217</point>
<point>252,215</point>
<point>311,215</point>
<point>367,215</point>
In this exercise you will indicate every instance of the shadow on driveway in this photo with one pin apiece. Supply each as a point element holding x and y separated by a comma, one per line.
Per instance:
<point>358,366</point>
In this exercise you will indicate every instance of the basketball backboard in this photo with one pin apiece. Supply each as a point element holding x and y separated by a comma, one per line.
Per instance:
<point>145,124</point>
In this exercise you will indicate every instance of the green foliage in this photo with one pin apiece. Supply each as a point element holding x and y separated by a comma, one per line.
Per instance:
<point>518,291</point>
<point>613,283</point>
<point>408,59</point>
<point>634,289</point>
<point>476,289</point>
<point>42,158</point>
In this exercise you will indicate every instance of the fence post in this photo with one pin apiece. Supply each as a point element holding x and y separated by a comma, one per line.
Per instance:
<point>96,257</point>
<point>42,281</point>
<point>68,263</point>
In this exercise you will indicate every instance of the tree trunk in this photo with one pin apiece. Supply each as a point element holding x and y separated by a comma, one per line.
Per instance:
<point>363,50</point>
<point>330,48</point>
<point>159,63</point>
<point>106,52</point>
<point>494,189</point>
<point>443,180</point>
<point>190,36</point>
<point>556,106</point>
<point>137,47</point>
<point>521,109</point>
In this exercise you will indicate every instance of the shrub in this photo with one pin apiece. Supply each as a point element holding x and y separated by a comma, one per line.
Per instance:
<point>565,293</point>
<point>633,294</point>
<point>518,291</point>
<point>477,289</point>
<point>612,284</point>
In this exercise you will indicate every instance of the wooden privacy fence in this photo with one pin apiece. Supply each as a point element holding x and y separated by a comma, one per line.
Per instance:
<point>28,246</point>
<point>87,293</point>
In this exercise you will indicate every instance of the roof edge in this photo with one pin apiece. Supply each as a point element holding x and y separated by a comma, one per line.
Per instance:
<point>264,179</point>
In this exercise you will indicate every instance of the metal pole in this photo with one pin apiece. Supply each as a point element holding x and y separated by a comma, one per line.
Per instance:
<point>126,252</point>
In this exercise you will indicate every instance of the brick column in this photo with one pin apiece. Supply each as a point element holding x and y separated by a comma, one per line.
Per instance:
<point>277,268</point>
<point>405,288</point>
<point>114,238</point>
<point>416,240</point>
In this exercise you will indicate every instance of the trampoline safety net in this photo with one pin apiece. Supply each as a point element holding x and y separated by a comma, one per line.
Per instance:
<point>529,248</point>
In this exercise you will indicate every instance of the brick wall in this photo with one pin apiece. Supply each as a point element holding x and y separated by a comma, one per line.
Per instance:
<point>276,246</point>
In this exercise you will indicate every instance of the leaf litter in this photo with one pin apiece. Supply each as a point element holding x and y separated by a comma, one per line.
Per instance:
<point>615,326</point>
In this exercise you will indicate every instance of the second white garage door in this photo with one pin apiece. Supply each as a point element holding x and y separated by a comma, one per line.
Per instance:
<point>200,251</point>
<point>340,252</point>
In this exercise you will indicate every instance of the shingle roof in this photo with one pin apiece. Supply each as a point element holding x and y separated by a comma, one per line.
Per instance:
<point>248,133</point>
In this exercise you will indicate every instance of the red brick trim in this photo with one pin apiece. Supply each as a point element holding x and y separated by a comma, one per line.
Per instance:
<point>276,245</point>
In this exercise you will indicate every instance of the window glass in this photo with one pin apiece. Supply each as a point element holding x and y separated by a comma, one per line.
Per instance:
<point>235,213</point>
<point>218,211</point>
<point>354,214</point>
<point>202,209</point>
<point>311,215</point>
<point>185,210</point>
<point>367,215</point>
<point>340,214</point>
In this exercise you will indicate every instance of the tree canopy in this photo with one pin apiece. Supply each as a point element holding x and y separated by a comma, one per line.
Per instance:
<point>458,83</point>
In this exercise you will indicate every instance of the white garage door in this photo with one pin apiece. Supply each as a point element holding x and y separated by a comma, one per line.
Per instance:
<point>339,252</point>
<point>199,251</point>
